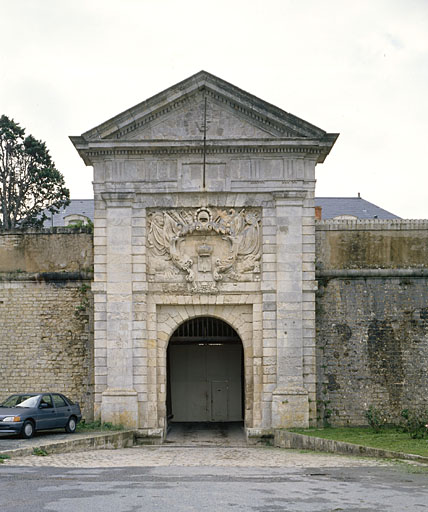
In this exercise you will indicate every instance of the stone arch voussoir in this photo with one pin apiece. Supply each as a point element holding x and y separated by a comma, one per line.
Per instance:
<point>173,316</point>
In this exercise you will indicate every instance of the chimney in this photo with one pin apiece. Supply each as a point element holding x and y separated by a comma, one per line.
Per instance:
<point>318,212</point>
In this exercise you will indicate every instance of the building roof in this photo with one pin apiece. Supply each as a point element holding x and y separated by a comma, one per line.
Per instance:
<point>331,207</point>
<point>351,206</point>
<point>84,207</point>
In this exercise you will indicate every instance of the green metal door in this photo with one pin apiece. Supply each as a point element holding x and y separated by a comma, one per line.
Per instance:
<point>206,382</point>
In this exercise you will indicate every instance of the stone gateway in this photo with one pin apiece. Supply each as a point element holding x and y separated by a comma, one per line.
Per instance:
<point>204,260</point>
<point>210,291</point>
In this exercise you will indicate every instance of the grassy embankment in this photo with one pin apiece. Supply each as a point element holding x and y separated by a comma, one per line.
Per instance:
<point>387,439</point>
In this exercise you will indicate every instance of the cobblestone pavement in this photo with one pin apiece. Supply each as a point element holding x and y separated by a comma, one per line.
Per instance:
<point>152,456</point>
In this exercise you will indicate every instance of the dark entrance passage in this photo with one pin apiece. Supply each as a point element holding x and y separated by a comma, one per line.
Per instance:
<point>205,373</point>
<point>230,434</point>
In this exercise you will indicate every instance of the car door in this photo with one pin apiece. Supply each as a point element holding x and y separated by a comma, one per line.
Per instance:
<point>62,410</point>
<point>46,414</point>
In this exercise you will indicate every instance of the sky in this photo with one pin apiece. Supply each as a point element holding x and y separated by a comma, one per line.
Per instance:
<point>357,68</point>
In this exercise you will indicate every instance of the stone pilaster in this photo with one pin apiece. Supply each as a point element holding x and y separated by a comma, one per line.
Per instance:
<point>119,399</point>
<point>290,398</point>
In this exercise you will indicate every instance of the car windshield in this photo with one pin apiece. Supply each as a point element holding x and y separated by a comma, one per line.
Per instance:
<point>14,400</point>
<point>30,402</point>
<point>21,401</point>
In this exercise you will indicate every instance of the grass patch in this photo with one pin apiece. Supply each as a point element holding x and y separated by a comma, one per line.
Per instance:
<point>389,438</point>
<point>40,452</point>
<point>3,457</point>
<point>92,426</point>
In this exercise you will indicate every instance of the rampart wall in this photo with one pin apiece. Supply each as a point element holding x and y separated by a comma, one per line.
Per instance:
<point>46,340</point>
<point>371,318</point>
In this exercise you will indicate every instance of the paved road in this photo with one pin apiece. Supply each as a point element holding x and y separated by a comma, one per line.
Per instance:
<point>215,479</point>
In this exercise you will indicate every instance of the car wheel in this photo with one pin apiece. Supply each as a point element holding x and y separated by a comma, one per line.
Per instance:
<point>71,425</point>
<point>28,429</point>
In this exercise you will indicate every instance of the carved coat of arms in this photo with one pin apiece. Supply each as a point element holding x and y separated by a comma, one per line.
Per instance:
<point>205,246</point>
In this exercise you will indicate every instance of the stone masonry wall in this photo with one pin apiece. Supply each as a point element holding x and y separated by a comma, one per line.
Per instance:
<point>371,318</point>
<point>63,250</point>
<point>46,318</point>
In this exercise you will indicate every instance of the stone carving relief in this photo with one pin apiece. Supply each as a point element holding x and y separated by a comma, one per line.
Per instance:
<point>203,247</point>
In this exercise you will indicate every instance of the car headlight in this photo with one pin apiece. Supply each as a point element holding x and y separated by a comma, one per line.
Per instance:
<point>12,418</point>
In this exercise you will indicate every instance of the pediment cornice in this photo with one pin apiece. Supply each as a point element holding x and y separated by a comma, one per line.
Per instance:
<point>317,148</point>
<point>275,129</point>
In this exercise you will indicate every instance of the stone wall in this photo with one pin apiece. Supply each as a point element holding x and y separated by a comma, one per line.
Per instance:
<point>371,318</point>
<point>46,314</point>
<point>64,250</point>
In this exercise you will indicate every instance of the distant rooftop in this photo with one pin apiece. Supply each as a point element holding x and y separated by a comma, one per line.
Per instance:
<point>78,208</point>
<point>332,207</point>
<point>348,207</point>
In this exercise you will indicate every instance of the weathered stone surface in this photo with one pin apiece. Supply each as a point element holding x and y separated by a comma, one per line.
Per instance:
<point>372,330</point>
<point>46,325</point>
<point>372,244</point>
<point>290,407</point>
<point>204,207</point>
<point>46,252</point>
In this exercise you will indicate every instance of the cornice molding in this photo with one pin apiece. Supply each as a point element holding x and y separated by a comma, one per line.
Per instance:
<point>290,194</point>
<point>371,224</point>
<point>105,149</point>
<point>118,199</point>
<point>197,151</point>
<point>371,273</point>
<point>290,197</point>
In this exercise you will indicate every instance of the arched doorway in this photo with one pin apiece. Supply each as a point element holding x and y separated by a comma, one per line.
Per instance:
<point>205,370</point>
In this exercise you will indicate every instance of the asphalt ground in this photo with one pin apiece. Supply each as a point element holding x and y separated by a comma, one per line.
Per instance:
<point>194,471</point>
<point>162,479</point>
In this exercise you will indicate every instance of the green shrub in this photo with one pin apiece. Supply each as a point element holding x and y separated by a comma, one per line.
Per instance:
<point>81,225</point>
<point>376,418</point>
<point>415,423</point>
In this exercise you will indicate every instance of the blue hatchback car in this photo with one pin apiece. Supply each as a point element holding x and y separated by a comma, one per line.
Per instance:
<point>25,413</point>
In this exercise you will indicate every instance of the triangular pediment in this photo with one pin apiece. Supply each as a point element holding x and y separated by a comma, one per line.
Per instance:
<point>195,116</point>
<point>203,105</point>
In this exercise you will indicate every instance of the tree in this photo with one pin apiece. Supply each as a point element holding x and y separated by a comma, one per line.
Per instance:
<point>30,184</point>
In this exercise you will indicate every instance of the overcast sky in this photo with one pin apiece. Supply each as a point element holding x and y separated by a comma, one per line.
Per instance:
<point>355,67</point>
